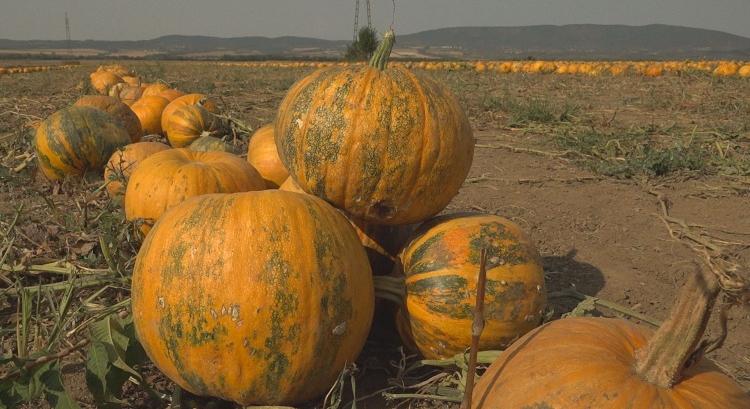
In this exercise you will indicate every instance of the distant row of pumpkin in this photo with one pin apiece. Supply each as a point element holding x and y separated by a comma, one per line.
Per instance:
<point>25,69</point>
<point>594,68</point>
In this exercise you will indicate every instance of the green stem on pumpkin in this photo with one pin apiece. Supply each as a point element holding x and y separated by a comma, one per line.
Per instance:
<point>390,288</point>
<point>669,351</point>
<point>379,59</point>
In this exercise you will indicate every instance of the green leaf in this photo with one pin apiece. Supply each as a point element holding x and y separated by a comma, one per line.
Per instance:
<point>55,391</point>
<point>29,385</point>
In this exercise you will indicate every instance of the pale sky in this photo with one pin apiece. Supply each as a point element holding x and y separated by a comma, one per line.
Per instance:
<point>333,19</point>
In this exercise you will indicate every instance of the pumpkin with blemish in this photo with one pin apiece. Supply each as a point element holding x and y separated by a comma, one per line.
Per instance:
<point>188,99</point>
<point>119,111</point>
<point>168,178</point>
<point>127,94</point>
<point>384,144</point>
<point>189,122</point>
<point>149,110</point>
<point>102,81</point>
<point>77,139</point>
<point>262,154</point>
<point>209,143</point>
<point>122,163</point>
<point>593,362</point>
<point>440,268</point>
<point>260,298</point>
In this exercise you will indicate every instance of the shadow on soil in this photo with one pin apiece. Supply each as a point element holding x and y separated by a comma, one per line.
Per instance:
<point>564,272</point>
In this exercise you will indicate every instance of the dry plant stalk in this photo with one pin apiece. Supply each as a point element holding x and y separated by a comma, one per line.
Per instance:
<point>476,330</point>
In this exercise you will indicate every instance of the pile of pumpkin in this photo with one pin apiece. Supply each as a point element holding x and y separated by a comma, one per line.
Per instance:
<point>26,69</point>
<point>253,282</point>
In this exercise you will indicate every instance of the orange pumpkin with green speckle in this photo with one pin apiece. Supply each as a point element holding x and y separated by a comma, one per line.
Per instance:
<point>383,144</point>
<point>168,178</point>
<point>119,111</point>
<point>260,298</point>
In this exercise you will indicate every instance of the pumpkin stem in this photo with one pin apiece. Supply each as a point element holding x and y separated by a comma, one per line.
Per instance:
<point>390,288</point>
<point>671,349</point>
<point>380,58</point>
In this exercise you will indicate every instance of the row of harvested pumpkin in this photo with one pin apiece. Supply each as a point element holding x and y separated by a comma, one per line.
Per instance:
<point>26,69</point>
<point>274,288</point>
<point>594,68</point>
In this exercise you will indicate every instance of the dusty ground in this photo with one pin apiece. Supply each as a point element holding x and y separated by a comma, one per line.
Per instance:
<point>571,159</point>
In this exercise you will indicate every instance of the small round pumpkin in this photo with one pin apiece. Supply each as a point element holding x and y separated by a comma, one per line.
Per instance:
<point>119,111</point>
<point>262,154</point>
<point>122,163</point>
<point>441,266</point>
<point>384,144</point>
<point>77,139</point>
<point>209,143</point>
<point>166,179</point>
<point>102,81</point>
<point>189,122</point>
<point>597,362</point>
<point>259,298</point>
<point>149,110</point>
<point>188,99</point>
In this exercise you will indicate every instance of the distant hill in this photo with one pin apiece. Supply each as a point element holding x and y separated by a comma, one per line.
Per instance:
<point>544,41</point>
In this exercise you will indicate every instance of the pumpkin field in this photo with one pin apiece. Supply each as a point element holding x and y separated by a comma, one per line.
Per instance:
<point>193,234</point>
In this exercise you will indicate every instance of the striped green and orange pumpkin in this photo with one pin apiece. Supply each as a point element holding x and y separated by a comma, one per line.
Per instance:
<point>187,123</point>
<point>168,178</point>
<point>209,143</point>
<point>189,99</point>
<point>119,111</point>
<point>383,144</point>
<point>260,298</point>
<point>77,139</point>
<point>441,266</point>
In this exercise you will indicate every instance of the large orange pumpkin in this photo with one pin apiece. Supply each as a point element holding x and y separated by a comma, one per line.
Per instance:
<point>102,81</point>
<point>590,362</point>
<point>149,110</point>
<point>77,139</point>
<point>290,185</point>
<point>189,99</point>
<point>262,154</point>
<point>259,298</point>
<point>122,163</point>
<point>166,179</point>
<point>119,111</point>
<point>384,144</point>
<point>441,265</point>
<point>189,122</point>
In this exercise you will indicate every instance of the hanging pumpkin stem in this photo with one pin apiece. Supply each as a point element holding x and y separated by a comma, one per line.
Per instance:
<point>379,59</point>
<point>673,346</point>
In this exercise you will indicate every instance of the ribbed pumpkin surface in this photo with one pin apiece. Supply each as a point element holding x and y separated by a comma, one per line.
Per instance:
<point>389,147</point>
<point>122,163</point>
<point>187,123</point>
<point>76,139</point>
<point>262,154</point>
<point>119,110</point>
<point>441,265</point>
<point>260,297</point>
<point>168,178</point>
<point>588,362</point>
<point>188,99</point>
<point>210,143</point>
